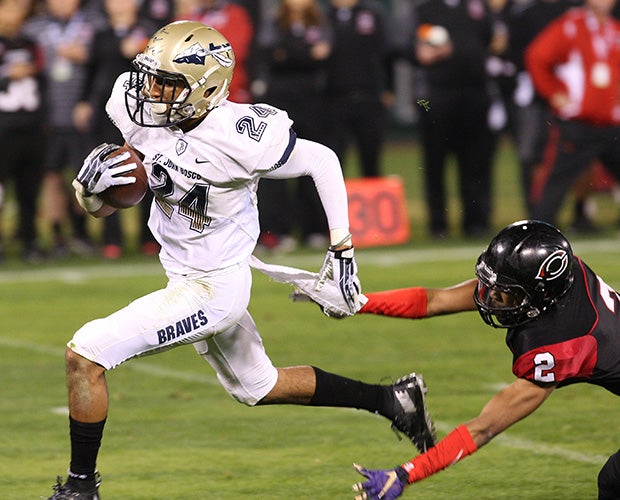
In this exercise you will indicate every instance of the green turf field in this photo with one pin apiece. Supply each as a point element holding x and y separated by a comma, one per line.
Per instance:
<point>173,432</point>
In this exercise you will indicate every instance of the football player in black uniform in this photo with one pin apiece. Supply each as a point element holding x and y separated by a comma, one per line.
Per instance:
<point>563,327</point>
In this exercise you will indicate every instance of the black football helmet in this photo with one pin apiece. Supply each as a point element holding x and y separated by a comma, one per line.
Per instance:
<point>526,268</point>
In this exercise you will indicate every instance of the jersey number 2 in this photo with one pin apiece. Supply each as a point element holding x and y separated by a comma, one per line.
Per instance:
<point>544,363</point>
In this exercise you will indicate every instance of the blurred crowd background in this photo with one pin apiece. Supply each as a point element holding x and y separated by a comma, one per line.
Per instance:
<point>458,74</point>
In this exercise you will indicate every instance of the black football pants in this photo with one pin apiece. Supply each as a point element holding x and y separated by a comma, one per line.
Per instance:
<point>572,147</point>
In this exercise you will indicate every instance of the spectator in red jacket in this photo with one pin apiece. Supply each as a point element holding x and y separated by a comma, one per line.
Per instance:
<point>575,66</point>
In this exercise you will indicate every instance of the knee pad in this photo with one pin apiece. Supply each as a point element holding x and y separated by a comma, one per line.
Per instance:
<point>609,478</point>
<point>228,382</point>
<point>85,342</point>
<point>237,392</point>
<point>80,341</point>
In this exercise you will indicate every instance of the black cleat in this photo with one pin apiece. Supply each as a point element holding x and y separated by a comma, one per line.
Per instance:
<point>411,415</point>
<point>67,492</point>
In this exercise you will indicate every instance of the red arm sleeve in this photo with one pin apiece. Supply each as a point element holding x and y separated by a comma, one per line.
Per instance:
<point>400,303</point>
<point>451,449</point>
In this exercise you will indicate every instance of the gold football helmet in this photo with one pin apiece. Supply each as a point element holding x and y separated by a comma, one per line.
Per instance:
<point>184,71</point>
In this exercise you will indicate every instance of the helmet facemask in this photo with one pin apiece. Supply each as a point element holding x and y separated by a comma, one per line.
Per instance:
<point>169,108</point>
<point>502,305</point>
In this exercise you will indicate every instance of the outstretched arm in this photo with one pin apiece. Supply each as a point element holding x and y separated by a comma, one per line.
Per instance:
<point>419,302</point>
<point>507,407</point>
<point>515,402</point>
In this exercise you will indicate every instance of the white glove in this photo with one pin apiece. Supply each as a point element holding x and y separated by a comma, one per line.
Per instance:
<point>340,267</point>
<point>328,298</point>
<point>99,171</point>
<point>91,202</point>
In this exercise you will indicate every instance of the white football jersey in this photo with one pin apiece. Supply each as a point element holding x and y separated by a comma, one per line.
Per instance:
<point>205,213</point>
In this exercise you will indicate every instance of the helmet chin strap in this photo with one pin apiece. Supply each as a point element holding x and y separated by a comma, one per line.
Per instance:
<point>215,99</point>
<point>533,313</point>
<point>159,112</point>
<point>159,108</point>
<point>162,115</point>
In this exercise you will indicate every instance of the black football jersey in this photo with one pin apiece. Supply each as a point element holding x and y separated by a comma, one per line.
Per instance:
<point>577,340</point>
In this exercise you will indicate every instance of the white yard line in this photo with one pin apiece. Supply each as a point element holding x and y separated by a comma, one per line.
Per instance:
<point>79,274</point>
<point>388,258</point>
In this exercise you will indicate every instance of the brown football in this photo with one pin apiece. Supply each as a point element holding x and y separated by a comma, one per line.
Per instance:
<point>127,195</point>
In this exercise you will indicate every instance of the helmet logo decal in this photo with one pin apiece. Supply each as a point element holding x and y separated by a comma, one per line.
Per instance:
<point>553,266</point>
<point>149,61</point>
<point>485,272</point>
<point>219,54</point>
<point>197,54</point>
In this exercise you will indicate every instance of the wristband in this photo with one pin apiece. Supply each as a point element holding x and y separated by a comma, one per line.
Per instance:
<point>451,449</point>
<point>401,303</point>
<point>339,238</point>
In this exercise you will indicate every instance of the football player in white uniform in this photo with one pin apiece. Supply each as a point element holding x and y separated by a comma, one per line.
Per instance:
<point>204,157</point>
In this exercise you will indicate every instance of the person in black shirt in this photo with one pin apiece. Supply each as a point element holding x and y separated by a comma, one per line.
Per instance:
<point>454,103</point>
<point>358,81</point>
<point>295,46</point>
<point>64,30</point>
<point>562,326</point>
<point>21,133</point>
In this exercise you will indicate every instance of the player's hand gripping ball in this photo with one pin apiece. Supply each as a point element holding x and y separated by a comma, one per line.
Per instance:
<point>112,174</point>
<point>126,195</point>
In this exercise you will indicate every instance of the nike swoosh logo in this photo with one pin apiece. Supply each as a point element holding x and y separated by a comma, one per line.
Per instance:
<point>202,161</point>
